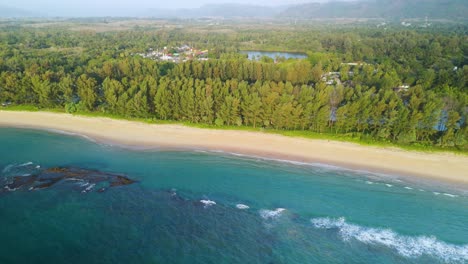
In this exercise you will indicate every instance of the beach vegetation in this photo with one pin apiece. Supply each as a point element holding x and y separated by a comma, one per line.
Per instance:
<point>402,87</point>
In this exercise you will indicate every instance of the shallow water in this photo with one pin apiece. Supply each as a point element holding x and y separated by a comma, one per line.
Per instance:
<point>252,210</point>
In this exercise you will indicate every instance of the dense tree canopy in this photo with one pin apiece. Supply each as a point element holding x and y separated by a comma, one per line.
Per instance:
<point>89,71</point>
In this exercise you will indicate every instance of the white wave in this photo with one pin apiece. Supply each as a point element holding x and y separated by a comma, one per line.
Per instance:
<point>293,162</point>
<point>89,188</point>
<point>84,184</point>
<point>324,166</point>
<point>450,195</point>
<point>242,206</point>
<point>63,132</point>
<point>73,179</point>
<point>408,188</point>
<point>436,193</point>
<point>369,182</point>
<point>25,164</point>
<point>7,168</point>
<point>207,203</point>
<point>406,246</point>
<point>389,185</point>
<point>10,189</point>
<point>271,214</point>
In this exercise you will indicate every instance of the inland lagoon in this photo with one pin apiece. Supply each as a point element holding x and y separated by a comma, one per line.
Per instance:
<point>257,54</point>
<point>81,201</point>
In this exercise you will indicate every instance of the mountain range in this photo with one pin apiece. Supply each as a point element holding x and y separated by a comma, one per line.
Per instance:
<point>440,9</point>
<point>388,9</point>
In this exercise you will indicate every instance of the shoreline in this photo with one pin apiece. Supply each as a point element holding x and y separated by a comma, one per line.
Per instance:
<point>444,167</point>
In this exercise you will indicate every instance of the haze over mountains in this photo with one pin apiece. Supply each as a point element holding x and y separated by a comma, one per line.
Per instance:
<point>449,9</point>
<point>7,11</point>
<point>434,9</point>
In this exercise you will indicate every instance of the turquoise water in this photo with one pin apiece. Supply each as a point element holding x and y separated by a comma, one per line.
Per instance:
<point>297,213</point>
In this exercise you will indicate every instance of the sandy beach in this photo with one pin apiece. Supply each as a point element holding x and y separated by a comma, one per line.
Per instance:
<point>437,166</point>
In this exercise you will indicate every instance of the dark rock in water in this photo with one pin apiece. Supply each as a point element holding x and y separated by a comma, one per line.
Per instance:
<point>85,179</point>
<point>56,169</point>
<point>46,183</point>
<point>19,181</point>
<point>120,181</point>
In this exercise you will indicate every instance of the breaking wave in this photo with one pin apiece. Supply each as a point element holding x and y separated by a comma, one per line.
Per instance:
<point>207,203</point>
<point>19,169</point>
<point>271,214</point>
<point>406,246</point>
<point>242,206</point>
<point>8,168</point>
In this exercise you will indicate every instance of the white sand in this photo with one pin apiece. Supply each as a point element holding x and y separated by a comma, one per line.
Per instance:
<point>439,166</point>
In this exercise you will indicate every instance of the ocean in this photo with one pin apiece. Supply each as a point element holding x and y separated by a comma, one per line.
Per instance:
<point>213,207</point>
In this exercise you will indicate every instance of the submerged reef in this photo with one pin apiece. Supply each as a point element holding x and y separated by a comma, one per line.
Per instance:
<point>84,180</point>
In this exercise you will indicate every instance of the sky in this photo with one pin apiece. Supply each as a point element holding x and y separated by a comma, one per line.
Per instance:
<point>95,8</point>
<point>81,4</point>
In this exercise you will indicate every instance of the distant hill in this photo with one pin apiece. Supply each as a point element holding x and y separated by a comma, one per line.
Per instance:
<point>219,10</point>
<point>388,9</point>
<point>434,9</point>
<point>211,10</point>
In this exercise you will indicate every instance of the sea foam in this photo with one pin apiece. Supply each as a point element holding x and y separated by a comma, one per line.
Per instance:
<point>450,195</point>
<point>7,168</point>
<point>25,164</point>
<point>207,203</point>
<point>271,214</point>
<point>406,246</point>
<point>19,169</point>
<point>89,188</point>
<point>242,206</point>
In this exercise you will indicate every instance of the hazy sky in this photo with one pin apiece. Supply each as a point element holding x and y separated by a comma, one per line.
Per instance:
<point>133,4</point>
<point>90,8</point>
